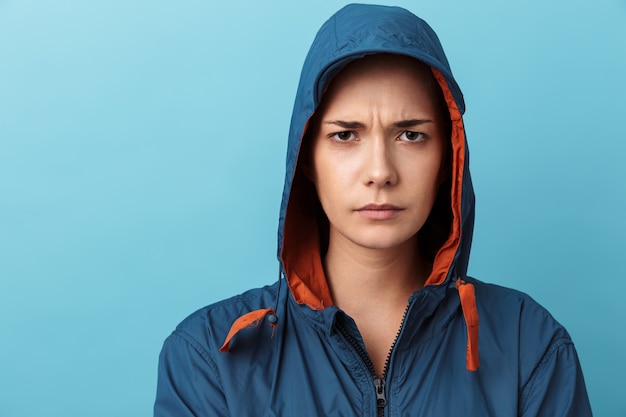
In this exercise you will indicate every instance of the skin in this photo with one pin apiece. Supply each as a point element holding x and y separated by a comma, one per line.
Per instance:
<point>376,162</point>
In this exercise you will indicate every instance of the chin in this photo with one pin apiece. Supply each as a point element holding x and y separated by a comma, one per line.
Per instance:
<point>382,241</point>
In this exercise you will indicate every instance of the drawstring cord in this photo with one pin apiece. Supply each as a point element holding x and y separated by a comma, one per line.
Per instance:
<point>468,306</point>
<point>254,319</point>
<point>470,313</point>
<point>273,318</point>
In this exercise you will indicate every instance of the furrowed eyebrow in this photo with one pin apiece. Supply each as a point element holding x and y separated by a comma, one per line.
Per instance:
<point>345,124</point>
<point>411,123</point>
<point>403,124</point>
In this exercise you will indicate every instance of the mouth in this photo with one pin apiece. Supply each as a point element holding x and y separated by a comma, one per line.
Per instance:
<point>379,211</point>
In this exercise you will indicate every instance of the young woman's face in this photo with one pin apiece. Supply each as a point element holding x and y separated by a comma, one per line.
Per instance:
<point>377,151</point>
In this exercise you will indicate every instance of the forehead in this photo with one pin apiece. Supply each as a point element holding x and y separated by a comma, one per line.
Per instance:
<point>383,80</point>
<point>381,63</point>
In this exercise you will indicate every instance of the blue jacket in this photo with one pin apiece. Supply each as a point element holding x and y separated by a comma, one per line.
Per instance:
<point>465,348</point>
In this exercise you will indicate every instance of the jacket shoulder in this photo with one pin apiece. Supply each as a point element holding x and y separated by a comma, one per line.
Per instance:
<point>515,320</point>
<point>516,309</point>
<point>190,379</point>
<point>550,377</point>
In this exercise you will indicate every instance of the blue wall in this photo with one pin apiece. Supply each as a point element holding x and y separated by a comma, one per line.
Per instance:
<point>141,163</point>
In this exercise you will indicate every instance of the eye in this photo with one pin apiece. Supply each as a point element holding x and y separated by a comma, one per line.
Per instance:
<point>343,136</point>
<point>410,136</point>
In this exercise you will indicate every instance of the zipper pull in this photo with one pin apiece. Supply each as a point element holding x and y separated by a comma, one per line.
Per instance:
<point>381,400</point>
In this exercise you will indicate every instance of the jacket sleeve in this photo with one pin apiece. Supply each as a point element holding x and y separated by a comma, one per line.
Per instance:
<point>188,384</point>
<point>556,387</point>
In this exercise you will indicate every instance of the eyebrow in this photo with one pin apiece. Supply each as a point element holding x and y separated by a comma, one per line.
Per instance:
<point>358,125</point>
<point>345,124</point>
<point>411,122</point>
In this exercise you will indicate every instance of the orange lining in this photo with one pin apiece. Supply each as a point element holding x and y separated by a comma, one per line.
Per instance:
<point>448,250</point>
<point>470,312</point>
<point>251,319</point>
<point>301,247</point>
<point>446,254</point>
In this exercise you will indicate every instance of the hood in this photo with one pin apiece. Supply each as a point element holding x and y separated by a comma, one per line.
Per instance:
<point>353,32</point>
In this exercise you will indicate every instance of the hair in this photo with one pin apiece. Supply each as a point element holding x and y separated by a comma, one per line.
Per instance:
<point>436,229</point>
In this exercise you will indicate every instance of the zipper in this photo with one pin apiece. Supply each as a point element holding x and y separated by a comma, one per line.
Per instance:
<point>379,383</point>
<point>381,399</point>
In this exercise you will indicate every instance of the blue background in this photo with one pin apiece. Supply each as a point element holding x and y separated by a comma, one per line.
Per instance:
<point>142,152</point>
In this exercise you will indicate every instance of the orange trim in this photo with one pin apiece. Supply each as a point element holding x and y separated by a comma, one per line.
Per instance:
<point>301,247</point>
<point>251,319</point>
<point>446,253</point>
<point>470,312</point>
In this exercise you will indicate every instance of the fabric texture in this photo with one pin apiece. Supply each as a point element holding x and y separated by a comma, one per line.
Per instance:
<point>466,348</point>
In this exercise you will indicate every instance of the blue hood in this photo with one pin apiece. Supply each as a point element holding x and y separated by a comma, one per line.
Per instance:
<point>353,32</point>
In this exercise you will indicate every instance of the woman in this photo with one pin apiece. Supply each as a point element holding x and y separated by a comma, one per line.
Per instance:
<point>377,315</point>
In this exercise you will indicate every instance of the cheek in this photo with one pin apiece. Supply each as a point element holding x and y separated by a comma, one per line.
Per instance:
<point>435,170</point>
<point>327,170</point>
<point>331,185</point>
<point>327,183</point>
<point>319,177</point>
<point>426,170</point>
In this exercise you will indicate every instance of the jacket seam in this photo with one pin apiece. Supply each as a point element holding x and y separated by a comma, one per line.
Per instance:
<point>200,351</point>
<point>547,358</point>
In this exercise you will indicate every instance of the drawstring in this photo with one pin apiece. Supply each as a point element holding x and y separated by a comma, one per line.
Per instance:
<point>470,313</point>
<point>253,319</point>
<point>274,319</point>
<point>468,306</point>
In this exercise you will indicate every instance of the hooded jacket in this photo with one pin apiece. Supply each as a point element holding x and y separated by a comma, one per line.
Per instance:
<point>465,348</point>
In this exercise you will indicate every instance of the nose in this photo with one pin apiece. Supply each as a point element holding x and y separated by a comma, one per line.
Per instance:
<point>379,166</point>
